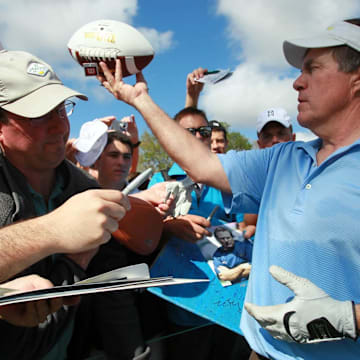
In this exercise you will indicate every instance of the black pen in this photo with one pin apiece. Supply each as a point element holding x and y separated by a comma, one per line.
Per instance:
<point>211,72</point>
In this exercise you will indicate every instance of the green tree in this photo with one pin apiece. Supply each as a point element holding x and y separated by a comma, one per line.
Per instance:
<point>236,140</point>
<point>152,154</point>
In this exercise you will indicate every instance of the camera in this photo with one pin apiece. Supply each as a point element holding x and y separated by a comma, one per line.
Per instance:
<point>119,126</point>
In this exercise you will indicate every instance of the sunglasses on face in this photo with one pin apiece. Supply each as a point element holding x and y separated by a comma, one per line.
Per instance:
<point>204,131</point>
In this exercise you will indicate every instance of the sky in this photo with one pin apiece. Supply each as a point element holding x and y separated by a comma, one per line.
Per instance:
<point>244,36</point>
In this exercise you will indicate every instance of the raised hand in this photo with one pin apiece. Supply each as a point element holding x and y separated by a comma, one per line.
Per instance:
<point>115,85</point>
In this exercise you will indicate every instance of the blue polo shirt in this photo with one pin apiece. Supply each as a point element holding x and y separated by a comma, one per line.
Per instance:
<point>308,223</point>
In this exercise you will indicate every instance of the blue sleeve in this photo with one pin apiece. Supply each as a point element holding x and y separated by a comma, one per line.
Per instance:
<point>246,172</point>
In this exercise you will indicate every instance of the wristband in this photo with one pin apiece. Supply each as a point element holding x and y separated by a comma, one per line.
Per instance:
<point>136,144</point>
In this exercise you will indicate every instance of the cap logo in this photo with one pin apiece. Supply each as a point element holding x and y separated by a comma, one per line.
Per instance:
<point>330,28</point>
<point>270,113</point>
<point>37,69</point>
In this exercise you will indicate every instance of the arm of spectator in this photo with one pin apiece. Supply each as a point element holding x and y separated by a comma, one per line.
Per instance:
<point>187,227</point>
<point>194,88</point>
<point>83,258</point>
<point>108,120</point>
<point>205,167</point>
<point>132,132</point>
<point>82,223</point>
<point>239,271</point>
<point>31,313</point>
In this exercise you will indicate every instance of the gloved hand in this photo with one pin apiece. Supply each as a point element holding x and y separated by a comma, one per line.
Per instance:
<point>312,316</point>
<point>181,190</point>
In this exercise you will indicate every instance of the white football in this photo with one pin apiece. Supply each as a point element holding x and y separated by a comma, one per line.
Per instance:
<point>107,40</point>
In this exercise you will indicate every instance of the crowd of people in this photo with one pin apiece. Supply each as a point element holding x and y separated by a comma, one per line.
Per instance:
<point>297,199</point>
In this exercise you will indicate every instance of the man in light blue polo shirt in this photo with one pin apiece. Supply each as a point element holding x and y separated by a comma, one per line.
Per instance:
<point>307,196</point>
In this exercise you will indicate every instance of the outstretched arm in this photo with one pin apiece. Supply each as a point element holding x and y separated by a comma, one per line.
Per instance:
<point>205,167</point>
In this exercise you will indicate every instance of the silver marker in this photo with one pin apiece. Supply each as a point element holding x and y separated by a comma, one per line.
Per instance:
<point>212,213</point>
<point>137,181</point>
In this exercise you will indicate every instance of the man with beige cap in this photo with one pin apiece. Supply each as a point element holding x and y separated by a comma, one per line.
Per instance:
<point>307,195</point>
<point>51,223</point>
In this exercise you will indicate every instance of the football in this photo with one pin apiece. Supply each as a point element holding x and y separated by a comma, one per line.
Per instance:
<point>108,40</point>
<point>141,228</point>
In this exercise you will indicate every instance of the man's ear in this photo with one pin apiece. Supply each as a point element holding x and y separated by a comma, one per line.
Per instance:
<point>293,137</point>
<point>1,131</point>
<point>355,82</point>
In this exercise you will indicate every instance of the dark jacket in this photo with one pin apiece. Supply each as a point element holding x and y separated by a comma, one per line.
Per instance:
<point>16,204</point>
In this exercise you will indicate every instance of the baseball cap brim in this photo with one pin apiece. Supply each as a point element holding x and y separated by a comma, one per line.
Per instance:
<point>338,34</point>
<point>295,50</point>
<point>42,100</point>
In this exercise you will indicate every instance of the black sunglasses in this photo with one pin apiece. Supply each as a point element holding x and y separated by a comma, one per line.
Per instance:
<point>204,131</point>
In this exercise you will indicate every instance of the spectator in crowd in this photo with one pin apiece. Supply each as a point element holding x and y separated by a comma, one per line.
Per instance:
<point>113,165</point>
<point>204,198</point>
<point>306,195</point>
<point>273,126</point>
<point>47,229</point>
<point>192,227</point>
<point>127,126</point>
<point>219,141</point>
<point>112,319</point>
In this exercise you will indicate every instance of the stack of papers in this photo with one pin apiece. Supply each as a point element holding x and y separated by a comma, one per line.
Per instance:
<point>130,277</point>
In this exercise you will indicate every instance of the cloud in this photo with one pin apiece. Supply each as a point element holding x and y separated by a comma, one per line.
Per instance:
<point>239,99</point>
<point>44,27</point>
<point>159,41</point>
<point>256,31</point>
<point>261,26</point>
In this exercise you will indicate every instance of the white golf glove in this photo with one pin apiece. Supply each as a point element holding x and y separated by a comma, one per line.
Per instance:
<point>312,316</point>
<point>181,190</point>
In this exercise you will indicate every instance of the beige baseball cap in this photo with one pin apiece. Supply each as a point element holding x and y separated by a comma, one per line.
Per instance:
<point>340,33</point>
<point>29,87</point>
